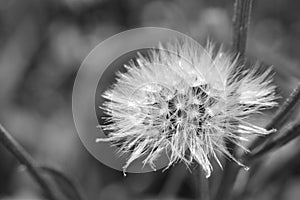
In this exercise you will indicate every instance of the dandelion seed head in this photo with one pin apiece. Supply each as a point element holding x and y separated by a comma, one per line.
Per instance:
<point>186,102</point>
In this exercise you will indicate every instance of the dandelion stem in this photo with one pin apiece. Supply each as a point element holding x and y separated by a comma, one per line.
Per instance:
<point>227,182</point>
<point>255,184</point>
<point>174,181</point>
<point>241,21</point>
<point>280,117</point>
<point>290,133</point>
<point>202,186</point>
<point>77,193</point>
<point>25,159</point>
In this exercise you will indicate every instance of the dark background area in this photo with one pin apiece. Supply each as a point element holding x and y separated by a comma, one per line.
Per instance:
<point>42,44</point>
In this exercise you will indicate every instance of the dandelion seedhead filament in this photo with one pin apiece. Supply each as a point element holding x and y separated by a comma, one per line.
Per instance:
<point>186,102</point>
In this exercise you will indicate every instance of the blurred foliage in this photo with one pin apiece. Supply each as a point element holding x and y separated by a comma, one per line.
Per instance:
<point>42,44</point>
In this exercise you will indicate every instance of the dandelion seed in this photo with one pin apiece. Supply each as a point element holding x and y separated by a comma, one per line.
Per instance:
<point>187,104</point>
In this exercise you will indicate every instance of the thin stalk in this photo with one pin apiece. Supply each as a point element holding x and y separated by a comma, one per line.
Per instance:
<point>241,21</point>
<point>77,193</point>
<point>231,170</point>
<point>255,184</point>
<point>201,183</point>
<point>290,133</point>
<point>173,182</point>
<point>278,120</point>
<point>251,159</point>
<point>280,117</point>
<point>25,159</point>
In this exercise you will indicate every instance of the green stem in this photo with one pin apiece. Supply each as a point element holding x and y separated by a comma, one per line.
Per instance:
<point>25,159</point>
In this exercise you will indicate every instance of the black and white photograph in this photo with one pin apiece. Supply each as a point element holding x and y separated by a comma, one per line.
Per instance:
<point>149,100</point>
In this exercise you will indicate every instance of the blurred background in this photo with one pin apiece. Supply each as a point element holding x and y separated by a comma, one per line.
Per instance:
<point>42,44</point>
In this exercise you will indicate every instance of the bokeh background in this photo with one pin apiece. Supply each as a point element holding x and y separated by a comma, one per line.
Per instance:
<point>42,44</point>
